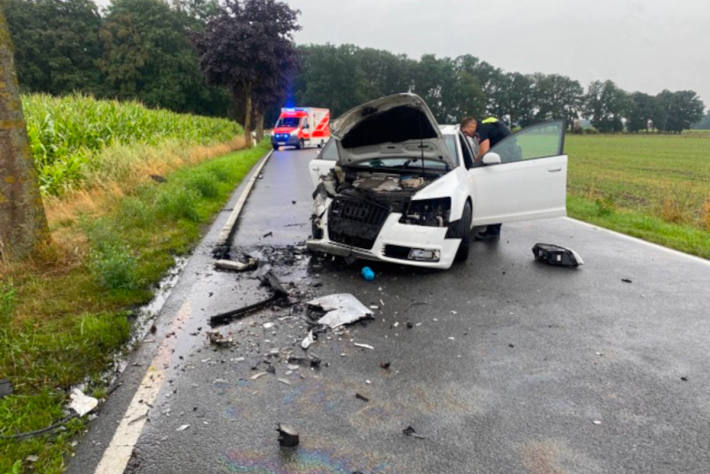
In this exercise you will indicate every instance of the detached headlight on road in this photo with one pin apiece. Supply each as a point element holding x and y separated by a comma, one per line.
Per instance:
<point>427,212</point>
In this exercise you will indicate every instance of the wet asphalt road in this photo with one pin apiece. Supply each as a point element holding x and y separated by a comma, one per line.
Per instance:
<point>509,365</point>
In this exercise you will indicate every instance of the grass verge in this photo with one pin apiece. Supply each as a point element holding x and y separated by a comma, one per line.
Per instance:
<point>62,317</point>
<point>656,187</point>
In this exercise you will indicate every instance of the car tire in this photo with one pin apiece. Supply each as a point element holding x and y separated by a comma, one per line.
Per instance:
<point>276,147</point>
<point>464,231</point>
<point>299,145</point>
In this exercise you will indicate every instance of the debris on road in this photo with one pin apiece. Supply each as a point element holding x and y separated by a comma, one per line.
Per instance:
<point>367,273</point>
<point>385,365</point>
<point>284,381</point>
<point>341,309</point>
<point>626,280</point>
<point>359,396</point>
<point>409,431</point>
<point>229,316</point>
<point>81,403</point>
<point>268,234</point>
<point>272,281</point>
<point>231,265</point>
<point>5,388</point>
<point>218,339</point>
<point>684,378</point>
<point>268,325</point>
<point>258,375</point>
<point>308,340</point>
<point>555,255</point>
<point>288,437</point>
<point>182,427</point>
<point>364,346</point>
<point>597,422</point>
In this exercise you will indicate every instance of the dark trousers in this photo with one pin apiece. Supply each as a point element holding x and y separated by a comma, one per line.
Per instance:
<point>493,229</point>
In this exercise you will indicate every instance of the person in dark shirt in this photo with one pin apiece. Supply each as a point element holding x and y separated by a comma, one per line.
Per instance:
<point>488,133</point>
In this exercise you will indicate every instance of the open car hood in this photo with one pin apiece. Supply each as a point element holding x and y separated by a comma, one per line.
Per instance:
<point>399,125</point>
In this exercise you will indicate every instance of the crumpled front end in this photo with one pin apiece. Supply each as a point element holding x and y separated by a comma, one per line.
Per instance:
<point>372,216</point>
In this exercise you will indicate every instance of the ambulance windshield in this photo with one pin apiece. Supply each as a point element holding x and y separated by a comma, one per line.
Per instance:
<point>288,122</point>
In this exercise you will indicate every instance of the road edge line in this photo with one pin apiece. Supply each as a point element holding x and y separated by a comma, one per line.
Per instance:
<point>641,241</point>
<point>228,228</point>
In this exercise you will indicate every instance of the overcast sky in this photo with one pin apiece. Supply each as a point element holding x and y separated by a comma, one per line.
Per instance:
<point>641,45</point>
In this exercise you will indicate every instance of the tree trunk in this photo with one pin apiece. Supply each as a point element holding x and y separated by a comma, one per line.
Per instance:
<point>259,125</point>
<point>23,224</point>
<point>247,114</point>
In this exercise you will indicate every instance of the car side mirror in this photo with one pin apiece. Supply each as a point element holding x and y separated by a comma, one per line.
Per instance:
<point>491,158</point>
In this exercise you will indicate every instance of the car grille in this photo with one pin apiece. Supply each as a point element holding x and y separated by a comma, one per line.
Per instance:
<point>355,222</point>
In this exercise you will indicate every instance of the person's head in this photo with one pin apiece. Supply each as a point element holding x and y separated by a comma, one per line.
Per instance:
<point>468,126</point>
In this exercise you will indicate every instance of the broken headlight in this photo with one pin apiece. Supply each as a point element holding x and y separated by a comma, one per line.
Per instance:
<point>427,212</point>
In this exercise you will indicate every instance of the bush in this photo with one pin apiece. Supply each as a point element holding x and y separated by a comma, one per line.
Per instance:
<point>205,183</point>
<point>113,266</point>
<point>178,204</point>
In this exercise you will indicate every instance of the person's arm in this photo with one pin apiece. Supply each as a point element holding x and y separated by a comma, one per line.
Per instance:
<point>483,148</point>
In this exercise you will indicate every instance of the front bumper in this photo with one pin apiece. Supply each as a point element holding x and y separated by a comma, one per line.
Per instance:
<point>284,139</point>
<point>393,233</point>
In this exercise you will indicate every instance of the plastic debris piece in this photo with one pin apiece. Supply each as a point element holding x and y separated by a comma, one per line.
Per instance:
<point>385,365</point>
<point>409,431</point>
<point>362,397</point>
<point>555,255</point>
<point>218,339</point>
<point>341,309</point>
<point>684,378</point>
<point>268,325</point>
<point>231,265</point>
<point>81,403</point>
<point>224,318</point>
<point>367,273</point>
<point>308,340</point>
<point>284,381</point>
<point>32,458</point>
<point>288,437</point>
<point>626,280</point>
<point>364,346</point>
<point>597,422</point>
<point>257,375</point>
<point>182,427</point>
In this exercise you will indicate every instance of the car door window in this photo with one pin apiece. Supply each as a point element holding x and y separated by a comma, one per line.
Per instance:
<point>466,151</point>
<point>537,141</point>
<point>329,151</point>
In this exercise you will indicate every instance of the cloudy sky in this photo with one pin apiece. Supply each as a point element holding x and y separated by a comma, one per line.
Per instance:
<point>641,45</point>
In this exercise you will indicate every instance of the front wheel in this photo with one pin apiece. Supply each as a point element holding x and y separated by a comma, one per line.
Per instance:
<point>464,231</point>
<point>299,145</point>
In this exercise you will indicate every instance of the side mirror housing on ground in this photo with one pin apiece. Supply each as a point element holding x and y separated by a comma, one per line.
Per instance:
<point>491,158</point>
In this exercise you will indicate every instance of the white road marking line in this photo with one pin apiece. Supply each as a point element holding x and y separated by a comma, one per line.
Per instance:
<point>229,225</point>
<point>677,253</point>
<point>118,453</point>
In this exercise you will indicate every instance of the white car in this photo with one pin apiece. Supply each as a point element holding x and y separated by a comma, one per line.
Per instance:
<point>393,185</point>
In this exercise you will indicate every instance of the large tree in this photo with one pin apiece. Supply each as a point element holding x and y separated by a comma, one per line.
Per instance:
<point>23,224</point>
<point>556,97</point>
<point>245,44</point>
<point>56,44</point>
<point>643,108</point>
<point>677,111</point>
<point>606,105</point>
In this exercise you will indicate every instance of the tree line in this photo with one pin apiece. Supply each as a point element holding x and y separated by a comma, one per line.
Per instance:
<point>205,57</point>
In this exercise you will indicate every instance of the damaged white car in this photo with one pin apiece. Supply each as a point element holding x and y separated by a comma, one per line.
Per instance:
<point>393,185</point>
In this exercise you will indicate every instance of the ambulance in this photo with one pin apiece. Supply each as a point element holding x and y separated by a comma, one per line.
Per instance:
<point>301,127</point>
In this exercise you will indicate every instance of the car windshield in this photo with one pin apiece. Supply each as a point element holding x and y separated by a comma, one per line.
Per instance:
<point>405,162</point>
<point>288,122</point>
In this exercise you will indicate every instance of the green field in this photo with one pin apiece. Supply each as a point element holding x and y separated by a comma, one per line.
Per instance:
<point>68,134</point>
<point>656,187</point>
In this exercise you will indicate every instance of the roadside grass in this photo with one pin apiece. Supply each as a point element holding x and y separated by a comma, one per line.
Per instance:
<point>656,187</point>
<point>64,316</point>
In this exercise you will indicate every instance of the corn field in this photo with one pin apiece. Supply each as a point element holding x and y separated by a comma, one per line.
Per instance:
<point>68,134</point>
